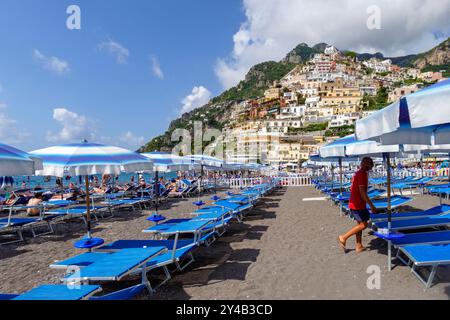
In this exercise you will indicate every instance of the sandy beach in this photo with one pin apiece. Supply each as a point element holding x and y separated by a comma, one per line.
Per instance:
<point>285,249</point>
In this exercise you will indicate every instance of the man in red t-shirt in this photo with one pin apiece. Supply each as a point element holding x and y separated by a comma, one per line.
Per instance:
<point>358,205</point>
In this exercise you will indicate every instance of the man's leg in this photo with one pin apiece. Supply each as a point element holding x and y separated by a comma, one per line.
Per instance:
<point>354,231</point>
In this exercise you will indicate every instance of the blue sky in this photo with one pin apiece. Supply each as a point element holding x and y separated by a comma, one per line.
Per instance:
<point>134,65</point>
<point>115,96</point>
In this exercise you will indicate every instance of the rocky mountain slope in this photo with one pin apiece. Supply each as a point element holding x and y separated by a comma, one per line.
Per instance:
<point>215,114</point>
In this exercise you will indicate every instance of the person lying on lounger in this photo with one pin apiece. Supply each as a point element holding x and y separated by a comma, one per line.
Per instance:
<point>358,205</point>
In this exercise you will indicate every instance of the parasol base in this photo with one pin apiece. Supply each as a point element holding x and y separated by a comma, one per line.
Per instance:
<point>156,218</point>
<point>88,243</point>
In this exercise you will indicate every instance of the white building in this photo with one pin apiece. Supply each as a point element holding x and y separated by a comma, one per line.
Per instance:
<point>292,111</point>
<point>377,65</point>
<point>312,102</point>
<point>343,120</point>
<point>282,126</point>
<point>308,92</point>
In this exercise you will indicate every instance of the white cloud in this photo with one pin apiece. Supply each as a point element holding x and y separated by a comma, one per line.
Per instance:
<point>53,64</point>
<point>10,131</point>
<point>156,67</point>
<point>198,97</point>
<point>273,28</point>
<point>131,141</point>
<point>119,51</point>
<point>75,127</point>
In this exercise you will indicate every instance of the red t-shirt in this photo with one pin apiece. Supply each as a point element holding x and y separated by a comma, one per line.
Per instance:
<point>359,179</point>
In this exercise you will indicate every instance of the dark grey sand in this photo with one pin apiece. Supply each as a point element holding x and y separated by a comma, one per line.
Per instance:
<point>285,249</point>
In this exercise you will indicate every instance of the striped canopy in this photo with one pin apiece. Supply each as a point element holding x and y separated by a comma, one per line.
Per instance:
<point>207,161</point>
<point>422,118</point>
<point>15,162</point>
<point>166,162</point>
<point>350,147</point>
<point>90,158</point>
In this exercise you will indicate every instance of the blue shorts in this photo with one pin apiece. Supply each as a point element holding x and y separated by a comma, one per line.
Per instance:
<point>361,215</point>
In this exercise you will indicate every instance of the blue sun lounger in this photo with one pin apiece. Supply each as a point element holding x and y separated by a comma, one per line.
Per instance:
<point>79,212</point>
<point>124,203</point>
<point>237,208</point>
<point>18,225</point>
<point>422,238</point>
<point>415,223</point>
<point>381,204</point>
<point>240,199</point>
<point>345,196</point>
<point>106,266</point>
<point>438,210</point>
<point>85,292</point>
<point>182,226</point>
<point>179,253</point>
<point>217,217</point>
<point>427,256</point>
<point>57,292</point>
<point>412,183</point>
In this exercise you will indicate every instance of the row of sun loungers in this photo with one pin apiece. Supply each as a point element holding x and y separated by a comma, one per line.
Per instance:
<point>170,249</point>
<point>424,252</point>
<point>103,206</point>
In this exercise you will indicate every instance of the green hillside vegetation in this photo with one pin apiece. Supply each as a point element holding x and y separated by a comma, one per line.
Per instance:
<point>377,102</point>
<point>258,79</point>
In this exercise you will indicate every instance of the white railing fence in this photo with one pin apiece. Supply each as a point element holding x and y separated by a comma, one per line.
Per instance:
<point>294,181</point>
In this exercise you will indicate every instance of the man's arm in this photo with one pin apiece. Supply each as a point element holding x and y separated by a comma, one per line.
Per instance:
<point>365,197</point>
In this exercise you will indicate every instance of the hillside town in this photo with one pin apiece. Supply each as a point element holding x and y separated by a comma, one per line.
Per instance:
<point>314,103</point>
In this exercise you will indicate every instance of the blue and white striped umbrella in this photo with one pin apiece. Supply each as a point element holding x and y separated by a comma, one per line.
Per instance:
<point>350,147</point>
<point>90,158</point>
<point>15,162</point>
<point>421,118</point>
<point>207,161</point>
<point>166,162</point>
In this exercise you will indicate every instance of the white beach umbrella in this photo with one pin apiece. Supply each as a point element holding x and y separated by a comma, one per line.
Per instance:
<point>15,162</point>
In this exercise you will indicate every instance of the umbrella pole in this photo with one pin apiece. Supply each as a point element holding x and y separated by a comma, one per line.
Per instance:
<point>340,174</point>
<point>156,191</point>
<point>448,167</point>
<point>421,164</point>
<point>201,180</point>
<point>332,177</point>
<point>388,168</point>
<point>88,207</point>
